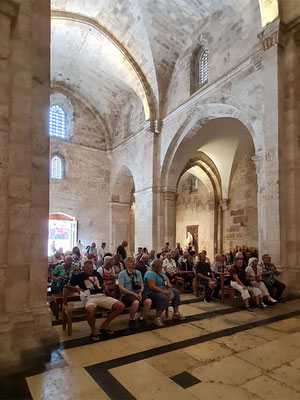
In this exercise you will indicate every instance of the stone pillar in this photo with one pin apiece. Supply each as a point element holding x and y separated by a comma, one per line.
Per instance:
<point>24,104</point>
<point>223,206</point>
<point>169,198</point>
<point>268,175</point>
<point>289,155</point>
<point>119,223</point>
<point>145,226</point>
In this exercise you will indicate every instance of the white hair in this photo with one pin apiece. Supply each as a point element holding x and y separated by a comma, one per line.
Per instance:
<point>250,262</point>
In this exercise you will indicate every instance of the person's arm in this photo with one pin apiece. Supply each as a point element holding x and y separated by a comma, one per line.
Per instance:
<point>54,274</point>
<point>74,288</point>
<point>126,291</point>
<point>152,286</point>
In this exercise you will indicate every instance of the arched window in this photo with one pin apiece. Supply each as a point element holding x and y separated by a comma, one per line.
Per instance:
<point>131,122</point>
<point>193,184</point>
<point>56,168</point>
<point>203,67</point>
<point>57,122</point>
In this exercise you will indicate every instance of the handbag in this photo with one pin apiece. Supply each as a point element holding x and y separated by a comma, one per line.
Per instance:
<point>171,295</point>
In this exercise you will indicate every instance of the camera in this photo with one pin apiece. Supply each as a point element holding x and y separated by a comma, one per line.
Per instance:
<point>136,286</point>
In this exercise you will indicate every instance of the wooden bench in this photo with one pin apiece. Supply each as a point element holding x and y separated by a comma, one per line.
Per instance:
<point>227,290</point>
<point>57,299</point>
<point>73,308</point>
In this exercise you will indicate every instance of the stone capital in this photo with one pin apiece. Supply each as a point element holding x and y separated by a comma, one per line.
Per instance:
<point>10,8</point>
<point>269,36</point>
<point>258,159</point>
<point>224,204</point>
<point>169,194</point>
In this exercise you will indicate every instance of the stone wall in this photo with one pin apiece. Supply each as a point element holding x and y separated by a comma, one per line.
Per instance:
<point>240,219</point>
<point>83,192</point>
<point>195,208</point>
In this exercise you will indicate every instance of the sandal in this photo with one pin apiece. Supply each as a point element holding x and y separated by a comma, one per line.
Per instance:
<point>106,331</point>
<point>94,338</point>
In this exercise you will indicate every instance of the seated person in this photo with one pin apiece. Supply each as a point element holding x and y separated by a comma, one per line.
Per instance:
<point>117,265</point>
<point>253,273</point>
<point>132,290</point>
<point>159,289</point>
<point>90,257</point>
<point>186,268</point>
<point>89,283</point>
<point>240,256</point>
<point>206,277</point>
<point>61,275</point>
<point>107,272</point>
<point>269,277</point>
<point>219,268</point>
<point>239,281</point>
<point>53,261</point>
<point>141,263</point>
<point>169,266</point>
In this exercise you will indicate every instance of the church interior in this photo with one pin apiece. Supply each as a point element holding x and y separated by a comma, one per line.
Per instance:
<point>170,125</point>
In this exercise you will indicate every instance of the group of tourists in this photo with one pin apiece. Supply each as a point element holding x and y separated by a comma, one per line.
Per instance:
<point>147,280</point>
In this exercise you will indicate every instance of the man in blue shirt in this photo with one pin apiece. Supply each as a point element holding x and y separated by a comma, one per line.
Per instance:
<point>131,287</point>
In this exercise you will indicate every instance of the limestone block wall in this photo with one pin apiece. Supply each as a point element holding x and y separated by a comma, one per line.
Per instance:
<point>240,219</point>
<point>195,208</point>
<point>84,190</point>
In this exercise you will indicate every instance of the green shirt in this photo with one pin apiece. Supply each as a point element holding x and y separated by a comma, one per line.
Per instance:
<point>60,271</point>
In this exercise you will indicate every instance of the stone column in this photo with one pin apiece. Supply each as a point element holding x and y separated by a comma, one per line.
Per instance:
<point>145,226</point>
<point>24,104</point>
<point>169,198</point>
<point>223,206</point>
<point>268,188</point>
<point>119,223</point>
<point>289,155</point>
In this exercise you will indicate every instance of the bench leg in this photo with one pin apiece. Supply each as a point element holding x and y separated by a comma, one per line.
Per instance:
<point>64,321</point>
<point>167,312</point>
<point>69,324</point>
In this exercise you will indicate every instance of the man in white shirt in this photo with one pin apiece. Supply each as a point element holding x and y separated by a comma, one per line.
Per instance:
<point>169,266</point>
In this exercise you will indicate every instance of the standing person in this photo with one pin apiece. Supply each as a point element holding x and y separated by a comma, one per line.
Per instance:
<point>52,248</point>
<point>206,277</point>
<point>93,249</point>
<point>239,281</point>
<point>269,277</point>
<point>62,274</point>
<point>121,249</point>
<point>89,282</point>
<point>132,289</point>
<point>158,289</point>
<point>80,246</point>
<point>101,254</point>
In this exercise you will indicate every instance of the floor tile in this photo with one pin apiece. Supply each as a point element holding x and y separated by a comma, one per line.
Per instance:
<point>271,355</point>
<point>270,389</point>
<point>288,375</point>
<point>230,370</point>
<point>266,333</point>
<point>180,332</point>
<point>220,391</point>
<point>208,351</point>
<point>188,310</point>
<point>185,379</point>
<point>63,384</point>
<point>173,363</point>
<point>290,325</point>
<point>146,383</point>
<point>241,341</point>
<point>115,348</point>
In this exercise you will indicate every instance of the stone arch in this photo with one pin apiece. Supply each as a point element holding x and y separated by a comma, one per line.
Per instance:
<point>122,209</point>
<point>145,93</point>
<point>188,134</point>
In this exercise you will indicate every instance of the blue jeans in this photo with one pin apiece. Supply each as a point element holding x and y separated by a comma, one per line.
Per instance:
<point>160,300</point>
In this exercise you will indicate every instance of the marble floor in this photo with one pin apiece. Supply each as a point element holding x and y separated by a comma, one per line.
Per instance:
<point>219,352</point>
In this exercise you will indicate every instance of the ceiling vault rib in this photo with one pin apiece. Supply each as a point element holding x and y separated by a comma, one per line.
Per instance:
<point>151,102</point>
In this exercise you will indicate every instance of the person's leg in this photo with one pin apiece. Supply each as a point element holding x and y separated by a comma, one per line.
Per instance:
<point>90,317</point>
<point>146,307</point>
<point>133,308</point>
<point>269,287</point>
<point>257,296</point>
<point>244,293</point>
<point>175,300</point>
<point>280,288</point>
<point>159,301</point>
<point>116,310</point>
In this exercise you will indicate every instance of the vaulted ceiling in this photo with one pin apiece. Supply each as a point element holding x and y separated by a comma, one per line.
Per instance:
<point>110,49</point>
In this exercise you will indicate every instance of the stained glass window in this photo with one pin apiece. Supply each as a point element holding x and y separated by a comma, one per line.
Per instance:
<point>57,122</point>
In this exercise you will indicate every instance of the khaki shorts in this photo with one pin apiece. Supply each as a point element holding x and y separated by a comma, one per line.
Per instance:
<point>100,300</point>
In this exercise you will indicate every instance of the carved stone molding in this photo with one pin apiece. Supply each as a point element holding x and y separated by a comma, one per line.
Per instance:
<point>269,36</point>
<point>257,61</point>
<point>9,8</point>
<point>257,159</point>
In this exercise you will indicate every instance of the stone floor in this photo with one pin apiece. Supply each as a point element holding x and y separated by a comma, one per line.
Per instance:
<point>219,352</point>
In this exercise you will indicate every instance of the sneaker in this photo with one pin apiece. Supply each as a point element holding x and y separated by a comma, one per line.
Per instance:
<point>158,322</point>
<point>262,305</point>
<point>215,298</point>
<point>178,316</point>
<point>248,309</point>
<point>273,300</point>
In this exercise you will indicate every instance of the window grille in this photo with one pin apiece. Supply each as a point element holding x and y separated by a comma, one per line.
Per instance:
<point>56,168</point>
<point>203,67</point>
<point>57,122</point>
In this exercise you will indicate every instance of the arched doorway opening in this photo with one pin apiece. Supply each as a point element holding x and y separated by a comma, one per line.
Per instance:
<point>122,210</point>
<point>62,232</point>
<point>214,178</point>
